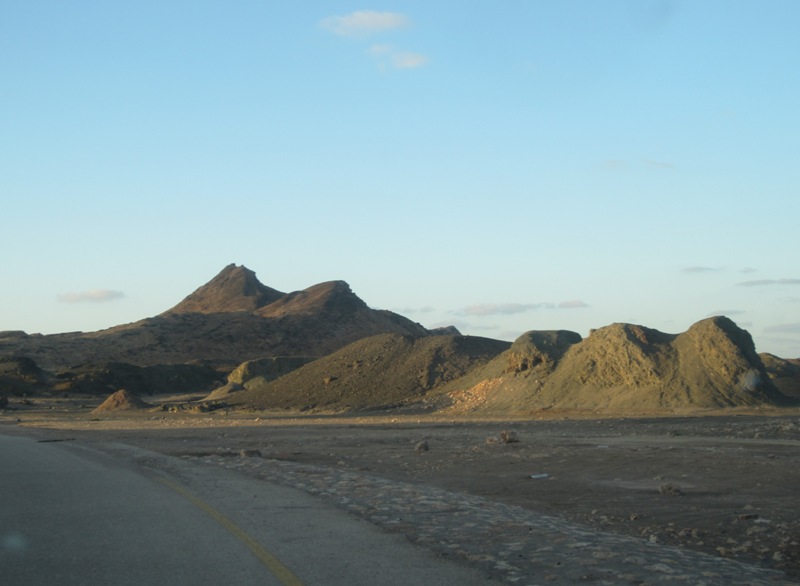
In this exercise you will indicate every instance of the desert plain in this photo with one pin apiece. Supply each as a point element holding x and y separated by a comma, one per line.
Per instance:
<point>720,482</point>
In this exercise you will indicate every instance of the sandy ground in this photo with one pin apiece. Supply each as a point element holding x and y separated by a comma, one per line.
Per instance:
<point>723,483</point>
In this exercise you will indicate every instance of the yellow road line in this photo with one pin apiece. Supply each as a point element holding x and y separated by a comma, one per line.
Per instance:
<point>273,564</point>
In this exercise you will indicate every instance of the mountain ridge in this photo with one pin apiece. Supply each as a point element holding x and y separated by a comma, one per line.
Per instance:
<point>337,353</point>
<point>228,320</point>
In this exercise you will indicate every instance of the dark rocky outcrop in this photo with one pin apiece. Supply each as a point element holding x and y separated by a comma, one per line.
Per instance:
<point>539,350</point>
<point>784,373</point>
<point>231,319</point>
<point>20,375</point>
<point>140,380</point>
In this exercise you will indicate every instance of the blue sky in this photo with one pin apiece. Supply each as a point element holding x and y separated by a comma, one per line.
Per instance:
<point>501,166</point>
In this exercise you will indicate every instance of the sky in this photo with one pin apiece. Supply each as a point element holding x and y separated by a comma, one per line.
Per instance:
<point>501,166</point>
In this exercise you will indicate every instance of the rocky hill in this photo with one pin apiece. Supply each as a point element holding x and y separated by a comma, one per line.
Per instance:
<point>231,319</point>
<point>323,348</point>
<point>784,373</point>
<point>20,375</point>
<point>233,289</point>
<point>380,372</point>
<point>620,367</point>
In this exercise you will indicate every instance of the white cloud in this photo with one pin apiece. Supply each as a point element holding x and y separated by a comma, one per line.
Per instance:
<point>572,304</point>
<point>387,55</point>
<point>364,22</point>
<point>91,296</point>
<point>406,60</point>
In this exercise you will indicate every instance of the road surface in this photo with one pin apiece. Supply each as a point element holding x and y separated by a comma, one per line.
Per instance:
<point>72,515</point>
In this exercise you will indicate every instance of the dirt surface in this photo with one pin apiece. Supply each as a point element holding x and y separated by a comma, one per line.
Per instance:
<point>723,483</point>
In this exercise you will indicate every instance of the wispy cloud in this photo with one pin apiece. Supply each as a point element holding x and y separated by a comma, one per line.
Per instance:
<point>364,22</point>
<point>387,55</point>
<point>572,304</point>
<point>615,165</point>
<point>380,49</point>
<point>726,312</point>
<point>406,60</point>
<point>658,165</point>
<point>701,269</point>
<point>762,282</point>
<point>746,270</point>
<point>404,310</point>
<point>485,309</point>
<point>91,296</point>
<point>790,328</point>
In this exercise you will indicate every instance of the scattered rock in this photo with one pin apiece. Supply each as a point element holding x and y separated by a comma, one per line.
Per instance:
<point>669,490</point>
<point>422,447</point>
<point>224,392</point>
<point>508,437</point>
<point>208,406</point>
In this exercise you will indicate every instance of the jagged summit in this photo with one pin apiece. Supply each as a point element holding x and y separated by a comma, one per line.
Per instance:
<point>231,319</point>
<point>328,296</point>
<point>235,288</point>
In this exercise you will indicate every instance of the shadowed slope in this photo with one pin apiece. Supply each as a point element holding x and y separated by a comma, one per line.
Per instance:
<point>235,288</point>
<point>785,374</point>
<point>377,372</point>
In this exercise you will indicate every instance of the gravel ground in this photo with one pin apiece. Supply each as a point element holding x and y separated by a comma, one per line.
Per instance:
<point>722,485</point>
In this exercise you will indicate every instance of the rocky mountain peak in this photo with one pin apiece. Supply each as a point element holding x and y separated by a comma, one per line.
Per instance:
<point>336,296</point>
<point>235,288</point>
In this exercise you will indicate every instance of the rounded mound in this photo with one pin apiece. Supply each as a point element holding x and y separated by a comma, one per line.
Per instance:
<point>122,400</point>
<point>624,367</point>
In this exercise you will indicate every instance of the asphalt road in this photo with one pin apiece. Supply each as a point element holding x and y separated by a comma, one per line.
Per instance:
<point>72,515</point>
